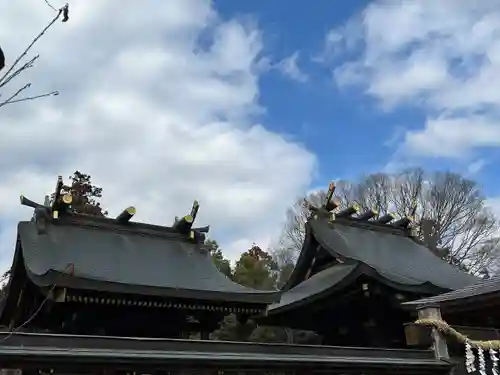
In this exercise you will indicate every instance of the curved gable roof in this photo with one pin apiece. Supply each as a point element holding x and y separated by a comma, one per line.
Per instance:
<point>393,255</point>
<point>387,250</point>
<point>386,254</point>
<point>127,262</point>
<point>315,286</point>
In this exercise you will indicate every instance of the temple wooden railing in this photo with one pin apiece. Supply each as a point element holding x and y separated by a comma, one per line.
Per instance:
<point>57,354</point>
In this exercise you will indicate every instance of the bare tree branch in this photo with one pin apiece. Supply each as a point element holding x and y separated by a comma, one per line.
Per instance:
<point>15,94</point>
<point>448,212</point>
<point>18,71</point>
<point>50,5</point>
<point>25,52</point>
<point>10,101</point>
<point>13,71</point>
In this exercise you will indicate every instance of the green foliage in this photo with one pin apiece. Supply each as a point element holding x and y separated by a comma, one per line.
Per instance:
<point>256,269</point>
<point>85,195</point>
<point>220,262</point>
<point>260,270</point>
<point>232,330</point>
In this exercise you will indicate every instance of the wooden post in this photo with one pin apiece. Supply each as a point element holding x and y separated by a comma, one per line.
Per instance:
<point>439,343</point>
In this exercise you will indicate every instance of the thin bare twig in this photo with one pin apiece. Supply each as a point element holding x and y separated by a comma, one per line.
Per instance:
<point>15,94</point>
<point>50,5</point>
<point>22,55</point>
<point>10,101</point>
<point>12,72</point>
<point>25,66</point>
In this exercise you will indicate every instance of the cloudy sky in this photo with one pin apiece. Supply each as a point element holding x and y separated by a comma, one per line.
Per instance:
<point>245,105</point>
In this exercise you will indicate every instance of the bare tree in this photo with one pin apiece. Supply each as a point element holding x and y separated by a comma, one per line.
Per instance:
<point>294,230</point>
<point>4,280</point>
<point>285,258</point>
<point>18,67</point>
<point>448,212</point>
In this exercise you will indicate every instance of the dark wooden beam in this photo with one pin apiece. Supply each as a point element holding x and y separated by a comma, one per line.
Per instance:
<point>419,336</point>
<point>470,304</point>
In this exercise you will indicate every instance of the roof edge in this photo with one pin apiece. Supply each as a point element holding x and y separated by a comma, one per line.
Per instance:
<point>347,279</point>
<point>79,283</point>
<point>303,262</point>
<point>360,269</point>
<point>450,304</point>
<point>17,268</point>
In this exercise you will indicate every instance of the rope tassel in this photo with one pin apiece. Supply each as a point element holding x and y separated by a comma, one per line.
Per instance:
<point>491,347</point>
<point>494,361</point>
<point>445,329</point>
<point>482,362</point>
<point>469,358</point>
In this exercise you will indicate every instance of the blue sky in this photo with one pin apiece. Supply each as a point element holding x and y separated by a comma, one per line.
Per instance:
<point>349,130</point>
<point>246,105</point>
<point>315,112</point>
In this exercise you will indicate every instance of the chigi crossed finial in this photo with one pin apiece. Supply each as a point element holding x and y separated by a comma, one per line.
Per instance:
<point>330,209</point>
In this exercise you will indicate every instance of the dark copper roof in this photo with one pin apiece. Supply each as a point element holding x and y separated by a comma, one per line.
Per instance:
<point>379,251</point>
<point>483,288</point>
<point>100,254</point>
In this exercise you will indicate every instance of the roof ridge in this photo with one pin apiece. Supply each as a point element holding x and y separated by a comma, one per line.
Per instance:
<point>371,225</point>
<point>133,228</point>
<point>110,223</point>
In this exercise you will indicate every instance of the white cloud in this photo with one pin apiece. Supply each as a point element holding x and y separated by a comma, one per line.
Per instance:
<point>476,166</point>
<point>453,137</point>
<point>441,56</point>
<point>494,205</point>
<point>289,67</point>
<point>157,103</point>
